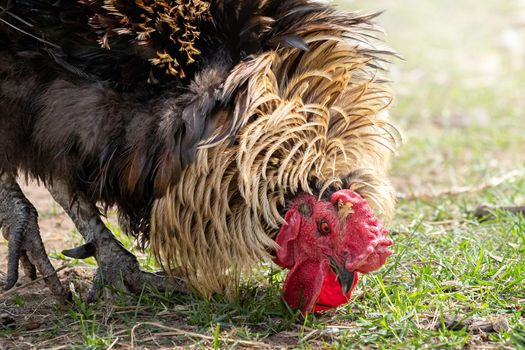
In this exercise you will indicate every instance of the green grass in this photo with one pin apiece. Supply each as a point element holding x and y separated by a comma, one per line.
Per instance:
<point>460,105</point>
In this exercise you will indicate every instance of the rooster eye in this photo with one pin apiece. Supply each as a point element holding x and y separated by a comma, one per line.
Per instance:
<point>324,228</point>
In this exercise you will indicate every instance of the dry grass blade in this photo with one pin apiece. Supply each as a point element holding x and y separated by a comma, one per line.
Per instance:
<point>113,344</point>
<point>310,335</point>
<point>458,191</point>
<point>178,331</point>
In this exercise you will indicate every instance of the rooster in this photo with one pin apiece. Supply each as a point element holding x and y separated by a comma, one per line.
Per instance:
<point>224,132</point>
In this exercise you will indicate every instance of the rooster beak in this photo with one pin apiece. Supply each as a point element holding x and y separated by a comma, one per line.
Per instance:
<point>345,277</point>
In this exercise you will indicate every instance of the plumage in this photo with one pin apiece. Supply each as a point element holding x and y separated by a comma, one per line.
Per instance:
<point>310,121</point>
<point>200,120</point>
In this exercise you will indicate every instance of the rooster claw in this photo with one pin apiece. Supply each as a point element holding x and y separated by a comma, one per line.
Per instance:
<point>112,287</point>
<point>124,275</point>
<point>19,222</point>
<point>84,251</point>
<point>119,271</point>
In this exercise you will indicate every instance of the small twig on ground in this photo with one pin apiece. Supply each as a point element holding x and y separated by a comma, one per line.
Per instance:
<point>310,335</point>
<point>457,191</point>
<point>35,281</point>
<point>177,331</point>
<point>57,340</point>
<point>484,211</point>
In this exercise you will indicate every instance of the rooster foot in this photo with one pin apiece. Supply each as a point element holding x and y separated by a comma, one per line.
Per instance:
<point>119,269</point>
<point>19,220</point>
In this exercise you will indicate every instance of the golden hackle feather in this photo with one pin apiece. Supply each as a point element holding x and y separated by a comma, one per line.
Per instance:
<point>308,119</point>
<point>169,28</point>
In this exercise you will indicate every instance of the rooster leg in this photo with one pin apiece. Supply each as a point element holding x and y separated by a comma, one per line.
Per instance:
<point>118,268</point>
<point>19,220</point>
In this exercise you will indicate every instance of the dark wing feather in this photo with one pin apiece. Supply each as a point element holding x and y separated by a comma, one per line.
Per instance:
<point>124,42</point>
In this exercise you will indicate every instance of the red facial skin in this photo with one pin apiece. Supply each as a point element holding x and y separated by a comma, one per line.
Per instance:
<point>316,238</point>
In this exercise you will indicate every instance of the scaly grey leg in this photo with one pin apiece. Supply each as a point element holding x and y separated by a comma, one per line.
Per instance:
<point>118,267</point>
<point>19,220</point>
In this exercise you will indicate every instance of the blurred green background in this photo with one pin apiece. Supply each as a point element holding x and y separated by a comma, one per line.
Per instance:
<point>460,91</point>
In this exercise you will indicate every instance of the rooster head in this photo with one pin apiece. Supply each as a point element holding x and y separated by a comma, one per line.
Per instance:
<point>325,244</point>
